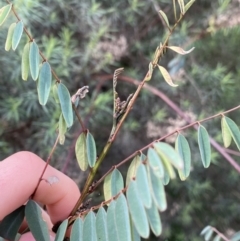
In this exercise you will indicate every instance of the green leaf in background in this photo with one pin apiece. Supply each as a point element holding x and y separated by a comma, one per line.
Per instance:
<point>8,43</point>
<point>166,76</point>
<point>122,219</point>
<point>35,222</point>
<point>132,170</point>
<point>34,60</point>
<point>10,225</point>
<point>166,178</point>
<point>55,93</point>
<point>137,211</point>
<point>111,224</point>
<point>25,61</point>
<point>204,146</point>
<point>234,130</point>
<point>89,227</point>
<point>81,152</point>
<point>164,17</point>
<point>66,104</point>
<point>167,152</point>
<point>142,186</point>
<point>155,163</point>
<point>62,126</point>
<point>226,134</point>
<point>44,83</point>
<point>116,182</point>
<point>17,34</point>
<point>157,191</point>
<point>101,224</point>
<point>77,230</point>
<point>182,147</point>
<point>154,219</point>
<point>61,231</point>
<point>91,150</point>
<point>4,11</point>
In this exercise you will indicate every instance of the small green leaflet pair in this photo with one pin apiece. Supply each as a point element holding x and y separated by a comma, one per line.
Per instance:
<point>85,150</point>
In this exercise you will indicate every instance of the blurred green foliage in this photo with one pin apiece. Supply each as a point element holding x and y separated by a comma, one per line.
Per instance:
<point>87,40</point>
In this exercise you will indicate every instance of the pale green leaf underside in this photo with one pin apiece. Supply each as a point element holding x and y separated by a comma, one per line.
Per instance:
<point>25,61</point>
<point>81,152</point>
<point>77,230</point>
<point>61,231</point>
<point>111,224</point>
<point>155,163</point>
<point>101,224</point>
<point>89,227</point>
<point>226,134</point>
<point>62,129</point>
<point>91,150</point>
<point>4,11</point>
<point>17,34</point>
<point>34,60</point>
<point>131,173</point>
<point>116,182</point>
<point>8,43</point>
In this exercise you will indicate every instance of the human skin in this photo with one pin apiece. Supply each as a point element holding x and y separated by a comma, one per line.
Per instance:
<point>19,175</point>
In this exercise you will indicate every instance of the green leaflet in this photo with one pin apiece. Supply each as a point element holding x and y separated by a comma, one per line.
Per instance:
<point>17,34</point>
<point>182,147</point>
<point>10,225</point>
<point>81,152</point>
<point>37,226</point>
<point>131,173</point>
<point>234,130</point>
<point>236,236</point>
<point>116,182</point>
<point>122,219</point>
<point>226,134</point>
<point>66,104</point>
<point>4,11</point>
<point>44,83</point>
<point>8,42</point>
<point>25,61</point>
<point>91,150</point>
<point>166,178</point>
<point>164,17</point>
<point>89,227</point>
<point>134,234</point>
<point>111,224</point>
<point>166,76</point>
<point>137,211</point>
<point>62,126</point>
<point>157,191</point>
<point>167,152</point>
<point>143,187</point>
<point>113,184</point>
<point>55,93</point>
<point>101,224</point>
<point>181,5</point>
<point>189,4</point>
<point>154,219</point>
<point>217,238</point>
<point>155,163</point>
<point>204,146</point>
<point>77,230</point>
<point>61,231</point>
<point>34,60</point>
